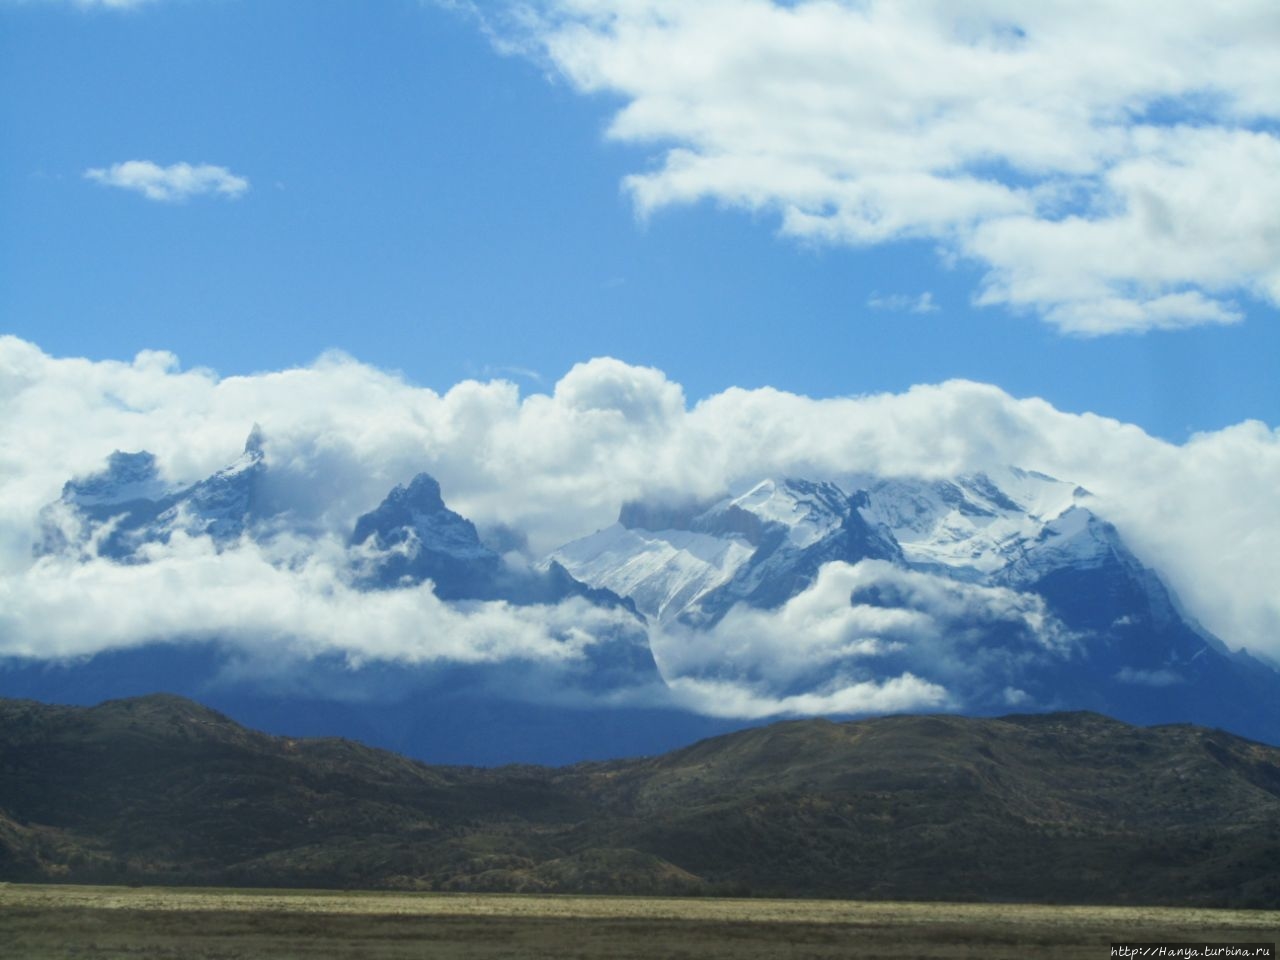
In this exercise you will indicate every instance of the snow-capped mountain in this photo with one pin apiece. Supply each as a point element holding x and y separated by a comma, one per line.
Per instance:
<point>128,505</point>
<point>412,537</point>
<point>978,593</point>
<point>128,478</point>
<point>1004,590</point>
<point>1031,533</point>
<point>409,540</point>
<point>696,562</point>
<point>969,527</point>
<point>765,545</point>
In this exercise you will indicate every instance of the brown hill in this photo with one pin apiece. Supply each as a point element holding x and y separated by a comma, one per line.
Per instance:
<point>1051,808</point>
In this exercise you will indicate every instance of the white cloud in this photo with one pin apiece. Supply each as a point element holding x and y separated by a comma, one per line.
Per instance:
<point>173,183</point>
<point>60,608</point>
<point>901,302</point>
<point>340,434</point>
<point>718,698</point>
<point>1191,217</point>
<point>1114,166</point>
<point>958,642</point>
<point>276,622</point>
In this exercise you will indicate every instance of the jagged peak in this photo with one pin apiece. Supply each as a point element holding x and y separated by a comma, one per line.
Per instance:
<point>416,512</point>
<point>251,463</point>
<point>253,443</point>
<point>127,476</point>
<point>422,493</point>
<point>808,509</point>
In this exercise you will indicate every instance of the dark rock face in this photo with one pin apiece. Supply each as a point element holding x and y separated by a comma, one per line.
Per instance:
<point>422,539</point>
<point>419,538</point>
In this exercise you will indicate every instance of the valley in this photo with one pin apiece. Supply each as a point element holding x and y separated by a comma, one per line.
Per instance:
<point>45,923</point>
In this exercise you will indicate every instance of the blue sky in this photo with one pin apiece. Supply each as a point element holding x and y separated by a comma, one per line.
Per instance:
<point>431,204</point>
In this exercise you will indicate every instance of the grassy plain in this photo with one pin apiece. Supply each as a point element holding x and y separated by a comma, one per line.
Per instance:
<point>38,922</point>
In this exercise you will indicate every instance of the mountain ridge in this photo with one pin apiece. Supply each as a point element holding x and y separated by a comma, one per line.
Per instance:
<point>858,595</point>
<point>1073,807</point>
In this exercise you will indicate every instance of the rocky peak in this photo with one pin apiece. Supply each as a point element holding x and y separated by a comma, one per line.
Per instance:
<point>253,443</point>
<point>127,476</point>
<point>415,513</point>
<point>421,494</point>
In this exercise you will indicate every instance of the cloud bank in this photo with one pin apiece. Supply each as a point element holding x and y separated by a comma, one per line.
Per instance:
<point>171,184</point>
<point>823,650</point>
<point>190,592</point>
<point>339,434</point>
<point>1112,167</point>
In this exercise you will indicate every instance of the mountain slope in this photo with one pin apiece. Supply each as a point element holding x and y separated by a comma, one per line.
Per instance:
<point>984,591</point>
<point>978,593</point>
<point>117,511</point>
<point>412,536</point>
<point>1053,808</point>
<point>127,515</point>
<point>695,562</point>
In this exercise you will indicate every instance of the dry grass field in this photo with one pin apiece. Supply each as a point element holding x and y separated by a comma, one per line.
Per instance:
<point>38,922</point>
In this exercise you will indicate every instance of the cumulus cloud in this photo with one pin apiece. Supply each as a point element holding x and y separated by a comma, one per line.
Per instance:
<point>75,608</point>
<point>718,698</point>
<point>171,184</point>
<point>947,643</point>
<point>1113,166</point>
<point>272,618</point>
<point>339,434</point>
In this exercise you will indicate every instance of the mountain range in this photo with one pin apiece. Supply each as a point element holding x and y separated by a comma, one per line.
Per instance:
<point>1056,808</point>
<point>791,596</point>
